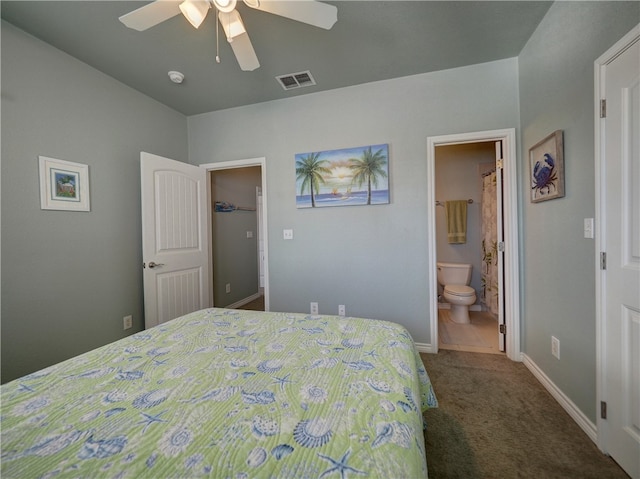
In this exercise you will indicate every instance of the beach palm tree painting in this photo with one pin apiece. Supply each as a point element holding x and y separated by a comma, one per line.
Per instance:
<point>346,177</point>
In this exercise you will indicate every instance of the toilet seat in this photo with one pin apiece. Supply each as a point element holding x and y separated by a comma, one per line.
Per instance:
<point>459,290</point>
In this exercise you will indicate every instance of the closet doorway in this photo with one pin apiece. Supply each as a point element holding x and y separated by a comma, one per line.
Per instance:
<point>238,249</point>
<point>497,152</point>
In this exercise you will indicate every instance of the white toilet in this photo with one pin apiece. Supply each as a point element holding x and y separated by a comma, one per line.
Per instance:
<point>455,278</point>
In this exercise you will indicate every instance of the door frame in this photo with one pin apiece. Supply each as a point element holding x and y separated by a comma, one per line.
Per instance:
<point>235,164</point>
<point>600,219</point>
<point>510,224</point>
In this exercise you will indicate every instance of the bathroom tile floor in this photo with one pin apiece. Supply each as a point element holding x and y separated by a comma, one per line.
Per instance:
<point>481,336</point>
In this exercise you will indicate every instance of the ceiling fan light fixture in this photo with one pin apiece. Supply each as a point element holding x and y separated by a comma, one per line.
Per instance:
<point>225,6</point>
<point>195,11</point>
<point>232,24</point>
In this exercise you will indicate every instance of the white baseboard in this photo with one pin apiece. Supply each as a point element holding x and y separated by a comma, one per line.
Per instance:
<point>244,301</point>
<point>425,348</point>
<point>578,416</point>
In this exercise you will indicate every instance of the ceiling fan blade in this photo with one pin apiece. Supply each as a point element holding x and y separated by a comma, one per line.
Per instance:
<point>314,13</point>
<point>239,40</point>
<point>244,52</point>
<point>151,14</point>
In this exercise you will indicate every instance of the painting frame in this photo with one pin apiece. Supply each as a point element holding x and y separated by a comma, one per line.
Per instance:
<point>352,176</point>
<point>64,185</point>
<point>546,168</point>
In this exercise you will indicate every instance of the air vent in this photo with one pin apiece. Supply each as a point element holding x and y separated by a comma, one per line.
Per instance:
<point>296,80</point>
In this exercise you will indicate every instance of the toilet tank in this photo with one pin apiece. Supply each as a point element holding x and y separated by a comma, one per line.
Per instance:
<point>454,273</point>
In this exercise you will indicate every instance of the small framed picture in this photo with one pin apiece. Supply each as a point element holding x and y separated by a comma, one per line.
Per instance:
<point>546,161</point>
<point>64,185</point>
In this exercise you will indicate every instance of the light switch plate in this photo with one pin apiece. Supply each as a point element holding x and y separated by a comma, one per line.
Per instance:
<point>287,234</point>
<point>588,228</point>
<point>555,347</point>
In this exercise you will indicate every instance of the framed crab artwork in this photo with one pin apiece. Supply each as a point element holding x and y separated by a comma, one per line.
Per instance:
<point>546,163</point>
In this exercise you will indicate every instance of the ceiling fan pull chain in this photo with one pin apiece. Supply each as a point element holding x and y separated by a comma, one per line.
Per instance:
<point>217,42</point>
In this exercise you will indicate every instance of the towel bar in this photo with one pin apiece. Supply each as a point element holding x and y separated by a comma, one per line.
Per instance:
<point>441,203</point>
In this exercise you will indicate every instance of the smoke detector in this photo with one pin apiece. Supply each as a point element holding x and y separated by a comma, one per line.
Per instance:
<point>176,77</point>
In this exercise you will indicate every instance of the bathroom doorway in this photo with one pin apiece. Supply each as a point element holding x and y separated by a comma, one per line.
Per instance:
<point>467,172</point>
<point>473,159</point>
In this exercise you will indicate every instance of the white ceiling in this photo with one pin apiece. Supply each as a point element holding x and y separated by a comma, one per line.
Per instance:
<point>372,40</point>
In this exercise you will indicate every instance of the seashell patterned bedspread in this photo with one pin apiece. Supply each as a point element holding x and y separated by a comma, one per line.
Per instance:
<point>226,394</point>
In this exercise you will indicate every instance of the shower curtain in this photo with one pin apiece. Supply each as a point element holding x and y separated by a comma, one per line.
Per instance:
<point>489,293</point>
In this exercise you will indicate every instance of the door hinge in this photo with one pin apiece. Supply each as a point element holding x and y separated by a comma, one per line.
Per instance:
<point>603,108</point>
<point>603,410</point>
<point>603,260</point>
<point>503,329</point>
<point>500,164</point>
<point>501,246</point>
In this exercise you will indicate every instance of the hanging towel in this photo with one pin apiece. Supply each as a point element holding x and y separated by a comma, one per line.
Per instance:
<point>456,221</point>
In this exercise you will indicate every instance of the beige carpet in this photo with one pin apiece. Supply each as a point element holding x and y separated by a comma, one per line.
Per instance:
<point>496,421</point>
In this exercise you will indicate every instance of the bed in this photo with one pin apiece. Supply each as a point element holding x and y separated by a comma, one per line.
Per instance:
<point>229,394</point>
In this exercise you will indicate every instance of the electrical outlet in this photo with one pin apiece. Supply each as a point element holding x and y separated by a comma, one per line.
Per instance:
<point>555,347</point>
<point>341,310</point>
<point>314,308</point>
<point>127,322</point>
<point>287,234</point>
<point>227,288</point>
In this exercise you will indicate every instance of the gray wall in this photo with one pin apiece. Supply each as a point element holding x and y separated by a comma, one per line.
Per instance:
<point>68,278</point>
<point>558,264</point>
<point>235,257</point>
<point>373,259</point>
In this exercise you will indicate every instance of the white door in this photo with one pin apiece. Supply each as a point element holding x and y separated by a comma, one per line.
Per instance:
<point>500,230</point>
<point>175,235</point>
<point>620,237</point>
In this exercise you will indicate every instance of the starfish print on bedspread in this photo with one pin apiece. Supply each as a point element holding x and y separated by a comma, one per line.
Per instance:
<point>150,419</point>
<point>282,381</point>
<point>340,466</point>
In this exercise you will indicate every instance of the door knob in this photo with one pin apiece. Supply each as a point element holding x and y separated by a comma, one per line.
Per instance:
<point>153,265</point>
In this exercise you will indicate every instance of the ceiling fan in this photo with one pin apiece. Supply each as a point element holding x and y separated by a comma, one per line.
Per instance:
<point>314,13</point>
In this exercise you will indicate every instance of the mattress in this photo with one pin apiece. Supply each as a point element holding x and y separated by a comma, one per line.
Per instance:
<point>229,394</point>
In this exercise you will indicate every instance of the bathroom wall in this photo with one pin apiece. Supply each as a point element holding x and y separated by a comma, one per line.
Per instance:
<point>458,177</point>
<point>235,256</point>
